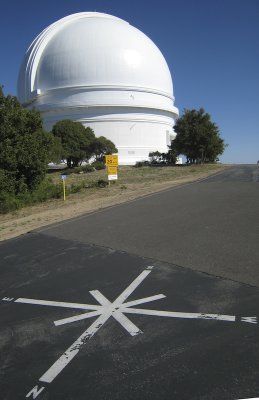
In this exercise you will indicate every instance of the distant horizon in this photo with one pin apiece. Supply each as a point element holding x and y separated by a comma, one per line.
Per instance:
<point>211,50</point>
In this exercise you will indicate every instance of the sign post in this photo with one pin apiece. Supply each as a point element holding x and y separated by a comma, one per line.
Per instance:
<point>64,177</point>
<point>111,162</point>
<point>112,172</point>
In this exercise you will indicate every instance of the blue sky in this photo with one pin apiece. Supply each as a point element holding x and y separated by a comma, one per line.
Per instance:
<point>211,47</point>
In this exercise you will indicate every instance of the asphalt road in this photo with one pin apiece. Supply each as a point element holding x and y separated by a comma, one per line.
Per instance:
<point>210,226</point>
<point>154,299</point>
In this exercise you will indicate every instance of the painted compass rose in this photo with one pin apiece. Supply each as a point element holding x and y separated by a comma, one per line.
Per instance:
<point>105,310</point>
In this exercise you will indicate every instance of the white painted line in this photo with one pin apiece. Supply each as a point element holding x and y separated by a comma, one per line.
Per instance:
<point>116,314</point>
<point>127,292</point>
<point>77,318</point>
<point>104,311</point>
<point>250,320</point>
<point>72,351</point>
<point>100,298</point>
<point>251,398</point>
<point>144,300</point>
<point>218,317</point>
<point>58,304</point>
<point>7,298</point>
<point>126,323</point>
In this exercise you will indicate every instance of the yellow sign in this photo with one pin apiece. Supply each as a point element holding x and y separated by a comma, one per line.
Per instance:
<point>111,160</point>
<point>112,170</point>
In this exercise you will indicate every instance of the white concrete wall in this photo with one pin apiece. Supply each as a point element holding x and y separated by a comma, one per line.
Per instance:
<point>136,132</point>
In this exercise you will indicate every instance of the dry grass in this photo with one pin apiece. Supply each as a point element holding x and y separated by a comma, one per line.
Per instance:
<point>132,183</point>
<point>129,175</point>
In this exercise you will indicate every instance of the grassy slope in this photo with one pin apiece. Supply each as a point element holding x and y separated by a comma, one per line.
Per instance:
<point>132,183</point>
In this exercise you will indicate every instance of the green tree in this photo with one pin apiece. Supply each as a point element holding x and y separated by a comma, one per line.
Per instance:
<point>170,157</point>
<point>55,154</point>
<point>76,141</point>
<point>155,157</point>
<point>198,138</point>
<point>1,94</point>
<point>24,146</point>
<point>103,146</point>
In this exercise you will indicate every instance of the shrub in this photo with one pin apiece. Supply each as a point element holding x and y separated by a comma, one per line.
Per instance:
<point>101,183</point>
<point>76,187</point>
<point>84,168</point>
<point>98,165</point>
<point>155,157</point>
<point>141,164</point>
<point>47,190</point>
<point>9,203</point>
<point>89,185</point>
<point>24,146</point>
<point>7,182</point>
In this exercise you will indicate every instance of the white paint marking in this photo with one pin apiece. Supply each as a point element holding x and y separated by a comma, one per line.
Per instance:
<point>251,320</point>
<point>127,292</point>
<point>72,351</point>
<point>218,317</point>
<point>113,309</point>
<point>58,304</point>
<point>8,298</point>
<point>35,392</point>
<point>105,310</point>
<point>144,300</point>
<point>100,298</point>
<point>251,398</point>
<point>126,323</point>
<point>77,318</point>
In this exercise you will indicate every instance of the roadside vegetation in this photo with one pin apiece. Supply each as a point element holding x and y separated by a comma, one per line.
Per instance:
<point>26,150</point>
<point>198,138</point>
<point>129,176</point>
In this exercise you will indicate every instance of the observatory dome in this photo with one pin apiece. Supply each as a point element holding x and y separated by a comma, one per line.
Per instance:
<point>101,71</point>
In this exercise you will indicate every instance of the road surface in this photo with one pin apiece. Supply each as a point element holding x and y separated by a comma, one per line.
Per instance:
<point>157,298</point>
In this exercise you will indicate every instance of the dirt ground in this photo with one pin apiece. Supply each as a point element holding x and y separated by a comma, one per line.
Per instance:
<point>90,200</point>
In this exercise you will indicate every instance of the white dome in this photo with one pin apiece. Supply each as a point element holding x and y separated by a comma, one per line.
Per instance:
<point>94,67</point>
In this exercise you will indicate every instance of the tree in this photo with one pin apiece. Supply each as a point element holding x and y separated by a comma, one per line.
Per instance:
<point>155,157</point>
<point>163,158</point>
<point>1,94</point>
<point>170,157</point>
<point>24,146</point>
<point>103,146</point>
<point>197,137</point>
<point>76,141</point>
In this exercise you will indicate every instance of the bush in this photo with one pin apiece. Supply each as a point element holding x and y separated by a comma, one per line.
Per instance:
<point>155,157</point>
<point>84,168</point>
<point>77,187</point>
<point>98,165</point>
<point>45,191</point>
<point>101,183</point>
<point>89,185</point>
<point>7,182</point>
<point>142,164</point>
<point>9,203</point>
<point>24,146</point>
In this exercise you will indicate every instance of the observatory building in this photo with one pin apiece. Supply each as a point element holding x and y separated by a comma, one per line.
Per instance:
<point>101,71</point>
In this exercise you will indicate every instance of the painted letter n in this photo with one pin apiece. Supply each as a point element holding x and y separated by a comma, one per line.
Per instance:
<point>35,392</point>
